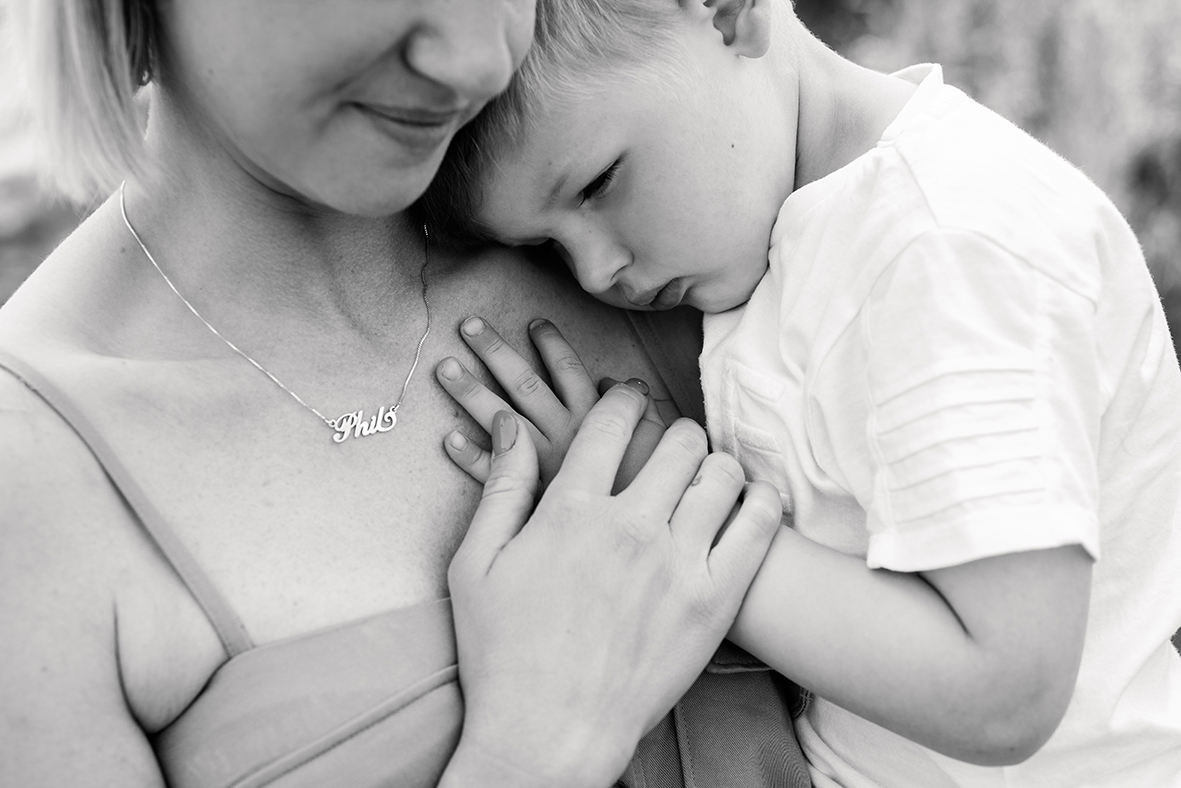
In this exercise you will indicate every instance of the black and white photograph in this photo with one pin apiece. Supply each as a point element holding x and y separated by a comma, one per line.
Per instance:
<point>590,393</point>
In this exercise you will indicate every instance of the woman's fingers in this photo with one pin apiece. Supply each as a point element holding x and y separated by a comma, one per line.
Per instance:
<point>509,494</point>
<point>663,409</point>
<point>470,457</point>
<point>651,412</point>
<point>707,502</point>
<point>599,584</point>
<point>739,551</point>
<point>662,482</point>
<point>530,394</point>
<point>570,378</point>
<point>598,448</point>
<point>645,439</point>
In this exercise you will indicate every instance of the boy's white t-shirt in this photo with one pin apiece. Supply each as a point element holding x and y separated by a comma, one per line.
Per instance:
<point>957,352</point>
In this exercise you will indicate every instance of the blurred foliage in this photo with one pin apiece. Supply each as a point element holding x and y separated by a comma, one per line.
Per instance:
<point>1099,81</point>
<point>32,221</point>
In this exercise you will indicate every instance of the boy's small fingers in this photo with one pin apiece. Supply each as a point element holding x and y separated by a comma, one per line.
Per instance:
<point>470,457</point>
<point>566,370</point>
<point>530,394</point>
<point>466,389</point>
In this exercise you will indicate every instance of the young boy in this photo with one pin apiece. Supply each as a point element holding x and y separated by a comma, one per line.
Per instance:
<point>938,338</point>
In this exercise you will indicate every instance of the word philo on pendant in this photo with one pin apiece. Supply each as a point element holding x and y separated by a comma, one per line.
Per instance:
<point>354,425</point>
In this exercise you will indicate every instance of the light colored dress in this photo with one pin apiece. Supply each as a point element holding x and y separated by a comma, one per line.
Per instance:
<point>376,702</point>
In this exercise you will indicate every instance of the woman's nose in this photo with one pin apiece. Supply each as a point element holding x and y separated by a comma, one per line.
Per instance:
<point>473,46</point>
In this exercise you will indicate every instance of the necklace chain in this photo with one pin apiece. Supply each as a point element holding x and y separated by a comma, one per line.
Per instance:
<point>347,425</point>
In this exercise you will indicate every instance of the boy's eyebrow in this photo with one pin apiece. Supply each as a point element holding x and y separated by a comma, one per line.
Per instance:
<point>554,192</point>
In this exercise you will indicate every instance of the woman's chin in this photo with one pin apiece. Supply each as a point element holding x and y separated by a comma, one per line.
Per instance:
<point>371,200</point>
<point>366,191</point>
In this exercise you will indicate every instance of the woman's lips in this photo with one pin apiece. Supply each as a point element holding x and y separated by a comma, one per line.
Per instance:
<point>414,128</point>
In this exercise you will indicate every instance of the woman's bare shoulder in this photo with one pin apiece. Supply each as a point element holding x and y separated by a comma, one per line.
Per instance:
<point>53,492</point>
<point>513,286</point>
<point>79,279</point>
<point>64,551</point>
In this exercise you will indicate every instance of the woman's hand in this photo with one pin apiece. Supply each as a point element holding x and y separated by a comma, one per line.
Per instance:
<point>552,415</point>
<point>579,629</point>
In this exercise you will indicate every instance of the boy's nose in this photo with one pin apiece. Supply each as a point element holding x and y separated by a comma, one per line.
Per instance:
<point>473,46</point>
<point>595,263</point>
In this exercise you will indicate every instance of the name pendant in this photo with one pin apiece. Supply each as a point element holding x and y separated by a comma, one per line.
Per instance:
<point>355,425</point>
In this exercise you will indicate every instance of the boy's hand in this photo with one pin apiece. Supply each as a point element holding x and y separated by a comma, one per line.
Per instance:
<point>553,416</point>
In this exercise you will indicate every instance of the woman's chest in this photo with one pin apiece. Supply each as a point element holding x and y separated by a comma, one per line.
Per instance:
<point>298,532</point>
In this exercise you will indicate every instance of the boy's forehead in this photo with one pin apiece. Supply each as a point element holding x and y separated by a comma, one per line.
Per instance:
<point>515,188</point>
<point>528,175</point>
<point>569,134</point>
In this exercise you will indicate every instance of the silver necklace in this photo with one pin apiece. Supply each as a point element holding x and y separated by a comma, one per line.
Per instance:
<point>345,426</point>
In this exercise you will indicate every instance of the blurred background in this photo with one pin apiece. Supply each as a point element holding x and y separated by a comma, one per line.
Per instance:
<point>1098,80</point>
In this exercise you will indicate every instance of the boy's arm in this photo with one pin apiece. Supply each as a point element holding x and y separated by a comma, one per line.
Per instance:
<point>980,439</point>
<point>976,661</point>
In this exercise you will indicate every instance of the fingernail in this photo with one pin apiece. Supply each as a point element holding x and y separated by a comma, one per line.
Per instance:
<point>457,441</point>
<point>638,385</point>
<point>450,369</point>
<point>538,323</point>
<point>473,326</point>
<point>504,432</point>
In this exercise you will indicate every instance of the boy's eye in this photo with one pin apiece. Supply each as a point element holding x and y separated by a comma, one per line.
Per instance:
<point>600,183</point>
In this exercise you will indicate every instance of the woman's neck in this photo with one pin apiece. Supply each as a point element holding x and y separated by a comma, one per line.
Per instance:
<point>218,228</point>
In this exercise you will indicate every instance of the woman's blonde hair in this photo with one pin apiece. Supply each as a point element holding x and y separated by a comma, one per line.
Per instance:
<point>84,62</point>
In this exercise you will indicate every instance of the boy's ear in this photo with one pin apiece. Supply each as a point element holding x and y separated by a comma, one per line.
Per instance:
<point>745,25</point>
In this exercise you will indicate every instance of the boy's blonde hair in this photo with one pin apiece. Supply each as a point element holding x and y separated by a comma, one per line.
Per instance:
<point>84,61</point>
<point>573,39</point>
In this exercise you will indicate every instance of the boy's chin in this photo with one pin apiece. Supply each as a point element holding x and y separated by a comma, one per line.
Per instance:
<point>688,300</point>
<point>712,306</point>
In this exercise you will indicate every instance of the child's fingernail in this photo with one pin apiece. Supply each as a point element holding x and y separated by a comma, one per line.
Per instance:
<point>457,441</point>
<point>450,369</point>
<point>638,385</point>
<point>504,432</point>
<point>473,326</point>
<point>538,323</point>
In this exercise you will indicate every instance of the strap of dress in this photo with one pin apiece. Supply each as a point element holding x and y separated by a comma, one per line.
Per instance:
<point>675,361</point>
<point>225,621</point>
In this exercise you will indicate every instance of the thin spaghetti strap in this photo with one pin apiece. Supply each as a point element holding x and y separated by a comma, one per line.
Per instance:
<point>225,621</point>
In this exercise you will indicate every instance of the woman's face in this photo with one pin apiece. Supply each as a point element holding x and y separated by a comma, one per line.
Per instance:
<point>347,104</point>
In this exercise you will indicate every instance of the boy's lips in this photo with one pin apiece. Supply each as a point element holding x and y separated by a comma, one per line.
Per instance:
<point>666,297</point>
